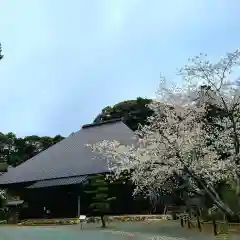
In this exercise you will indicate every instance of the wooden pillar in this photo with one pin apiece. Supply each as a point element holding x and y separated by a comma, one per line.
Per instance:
<point>79,206</point>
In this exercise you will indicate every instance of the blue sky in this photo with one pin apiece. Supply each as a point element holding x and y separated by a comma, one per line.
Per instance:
<point>66,60</point>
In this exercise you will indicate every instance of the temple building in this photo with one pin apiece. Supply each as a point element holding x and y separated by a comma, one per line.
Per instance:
<point>51,183</point>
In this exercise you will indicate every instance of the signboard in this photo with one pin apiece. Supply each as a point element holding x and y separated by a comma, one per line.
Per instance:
<point>82,217</point>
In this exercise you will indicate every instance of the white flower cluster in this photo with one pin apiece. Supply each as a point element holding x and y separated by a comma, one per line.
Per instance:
<point>3,194</point>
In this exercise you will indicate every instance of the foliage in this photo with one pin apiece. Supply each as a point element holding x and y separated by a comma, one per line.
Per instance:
<point>178,138</point>
<point>133,112</point>
<point>2,194</point>
<point>16,150</point>
<point>229,196</point>
<point>3,197</point>
<point>98,189</point>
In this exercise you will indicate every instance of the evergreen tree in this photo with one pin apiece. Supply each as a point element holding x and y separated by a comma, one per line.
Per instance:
<point>98,190</point>
<point>132,112</point>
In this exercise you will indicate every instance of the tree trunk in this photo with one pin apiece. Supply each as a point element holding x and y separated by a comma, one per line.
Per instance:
<point>181,221</point>
<point>218,201</point>
<point>165,209</point>
<point>198,220</point>
<point>189,218</point>
<point>214,226</point>
<point>103,221</point>
<point>189,211</point>
<point>208,190</point>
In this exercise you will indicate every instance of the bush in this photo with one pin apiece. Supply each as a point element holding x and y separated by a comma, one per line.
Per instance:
<point>51,222</point>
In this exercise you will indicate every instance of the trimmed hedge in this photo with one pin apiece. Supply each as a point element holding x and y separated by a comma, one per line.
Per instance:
<point>132,218</point>
<point>49,222</point>
<point>126,218</point>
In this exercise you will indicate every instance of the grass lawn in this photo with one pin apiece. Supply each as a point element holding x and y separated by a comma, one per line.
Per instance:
<point>159,230</point>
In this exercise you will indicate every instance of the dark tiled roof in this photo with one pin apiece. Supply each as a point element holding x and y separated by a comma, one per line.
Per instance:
<point>59,182</point>
<point>70,157</point>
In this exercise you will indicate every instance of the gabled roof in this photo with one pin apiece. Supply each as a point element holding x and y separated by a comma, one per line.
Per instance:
<point>70,157</point>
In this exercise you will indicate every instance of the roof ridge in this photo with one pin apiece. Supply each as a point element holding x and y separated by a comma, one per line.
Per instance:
<point>101,123</point>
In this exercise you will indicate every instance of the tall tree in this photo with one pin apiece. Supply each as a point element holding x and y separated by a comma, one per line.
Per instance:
<point>30,146</point>
<point>179,141</point>
<point>98,189</point>
<point>133,112</point>
<point>15,151</point>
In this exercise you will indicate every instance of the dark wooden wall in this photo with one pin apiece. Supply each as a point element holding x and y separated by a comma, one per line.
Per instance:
<point>62,202</point>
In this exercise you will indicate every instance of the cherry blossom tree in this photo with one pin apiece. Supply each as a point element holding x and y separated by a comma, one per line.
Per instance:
<point>2,194</point>
<point>179,139</point>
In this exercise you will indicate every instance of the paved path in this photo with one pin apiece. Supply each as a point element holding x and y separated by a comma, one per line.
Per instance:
<point>139,231</point>
<point>157,230</point>
<point>52,233</point>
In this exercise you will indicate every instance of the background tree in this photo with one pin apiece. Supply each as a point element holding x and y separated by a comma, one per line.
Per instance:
<point>133,112</point>
<point>100,200</point>
<point>14,150</point>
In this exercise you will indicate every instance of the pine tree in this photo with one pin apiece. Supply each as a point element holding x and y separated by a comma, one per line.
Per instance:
<point>98,190</point>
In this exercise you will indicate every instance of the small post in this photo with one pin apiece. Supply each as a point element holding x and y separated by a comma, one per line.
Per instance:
<point>165,209</point>
<point>214,227</point>
<point>189,223</point>
<point>79,205</point>
<point>181,220</point>
<point>82,218</point>
<point>185,218</point>
<point>189,218</point>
